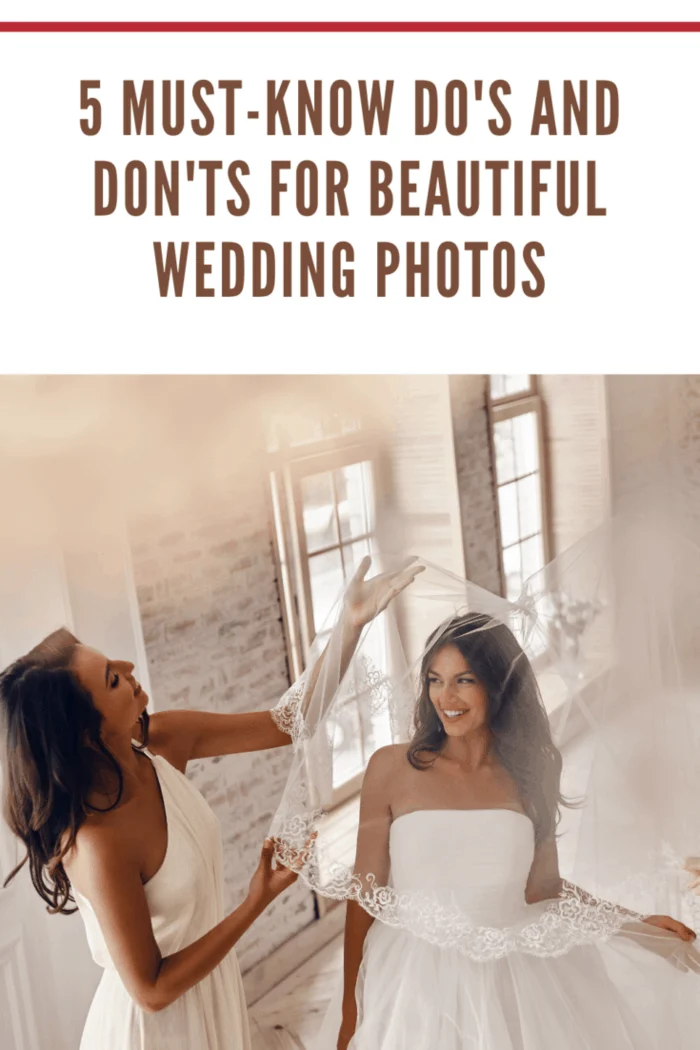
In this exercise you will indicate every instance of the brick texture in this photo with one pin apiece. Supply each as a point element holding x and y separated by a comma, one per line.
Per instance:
<point>211,617</point>
<point>475,480</point>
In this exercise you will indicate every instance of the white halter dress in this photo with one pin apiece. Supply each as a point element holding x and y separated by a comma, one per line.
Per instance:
<point>185,899</point>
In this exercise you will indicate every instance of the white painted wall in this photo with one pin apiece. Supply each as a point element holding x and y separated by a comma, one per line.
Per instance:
<point>578,455</point>
<point>87,589</point>
<point>34,601</point>
<point>639,418</point>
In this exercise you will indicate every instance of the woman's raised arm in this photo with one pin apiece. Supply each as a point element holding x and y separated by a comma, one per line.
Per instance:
<point>184,735</point>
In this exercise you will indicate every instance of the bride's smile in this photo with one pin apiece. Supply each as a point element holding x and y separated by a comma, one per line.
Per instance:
<point>459,698</point>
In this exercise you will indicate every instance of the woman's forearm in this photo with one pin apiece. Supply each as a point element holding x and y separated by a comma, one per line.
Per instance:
<point>351,634</point>
<point>587,898</point>
<point>180,971</point>
<point>363,601</point>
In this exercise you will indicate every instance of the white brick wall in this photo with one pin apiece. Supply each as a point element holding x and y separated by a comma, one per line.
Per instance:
<point>655,432</point>
<point>211,617</point>
<point>639,430</point>
<point>685,429</point>
<point>475,480</point>
<point>685,434</point>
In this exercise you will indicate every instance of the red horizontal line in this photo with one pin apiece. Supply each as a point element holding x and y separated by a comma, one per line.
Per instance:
<point>349,27</point>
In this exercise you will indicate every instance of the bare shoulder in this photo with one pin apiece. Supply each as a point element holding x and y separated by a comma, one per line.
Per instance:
<point>380,779</point>
<point>386,771</point>
<point>102,844</point>
<point>386,761</point>
<point>101,833</point>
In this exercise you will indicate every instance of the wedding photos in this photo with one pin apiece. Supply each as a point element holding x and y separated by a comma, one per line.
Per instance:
<point>351,712</point>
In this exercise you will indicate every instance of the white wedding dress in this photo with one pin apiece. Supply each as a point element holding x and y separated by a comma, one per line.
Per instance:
<point>633,991</point>
<point>185,900</point>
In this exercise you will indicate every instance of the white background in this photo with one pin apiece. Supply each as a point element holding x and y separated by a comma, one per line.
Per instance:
<point>375,10</point>
<point>80,293</point>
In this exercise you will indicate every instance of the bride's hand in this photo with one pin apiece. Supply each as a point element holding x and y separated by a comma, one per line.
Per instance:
<point>365,599</point>
<point>654,937</point>
<point>665,922</point>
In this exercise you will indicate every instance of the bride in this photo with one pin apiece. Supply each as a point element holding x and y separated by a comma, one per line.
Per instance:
<point>469,811</point>
<point>461,933</point>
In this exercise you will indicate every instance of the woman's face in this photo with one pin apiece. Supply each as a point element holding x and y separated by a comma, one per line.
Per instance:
<point>115,692</point>
<point>458,696</point>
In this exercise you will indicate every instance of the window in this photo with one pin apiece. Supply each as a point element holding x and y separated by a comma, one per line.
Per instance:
<point>336,508</point>
<point>503,388</point>
<point>521,489</point>
<point>324,501</point>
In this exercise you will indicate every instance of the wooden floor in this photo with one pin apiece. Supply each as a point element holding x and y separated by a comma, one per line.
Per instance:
<point>289,1017</point>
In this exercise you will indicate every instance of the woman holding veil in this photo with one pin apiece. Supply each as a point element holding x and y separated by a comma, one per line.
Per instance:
<point>486,907</point>
<point>96,792</point>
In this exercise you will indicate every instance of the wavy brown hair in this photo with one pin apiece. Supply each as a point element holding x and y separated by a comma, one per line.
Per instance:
<point>522,739</point>
<point>53,757</point>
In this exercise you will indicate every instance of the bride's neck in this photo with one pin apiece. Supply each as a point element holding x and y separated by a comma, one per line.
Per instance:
<point>471,751</point>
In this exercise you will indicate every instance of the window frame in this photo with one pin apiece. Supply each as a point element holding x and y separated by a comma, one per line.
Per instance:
<point>531,391</point>
<point>510,407</point>
<point>287,469</point>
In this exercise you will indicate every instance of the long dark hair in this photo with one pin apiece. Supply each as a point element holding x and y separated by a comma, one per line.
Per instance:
<point>53,755</point>
<point>516,716</point>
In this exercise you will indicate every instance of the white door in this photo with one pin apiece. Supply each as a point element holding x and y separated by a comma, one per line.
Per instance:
<point>47,976</point>
<point>18,1007</point>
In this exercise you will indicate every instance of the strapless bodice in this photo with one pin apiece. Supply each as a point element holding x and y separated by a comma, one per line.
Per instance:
<point>476,859</point>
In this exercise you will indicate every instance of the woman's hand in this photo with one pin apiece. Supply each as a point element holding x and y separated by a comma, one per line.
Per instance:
<point>365,599</point>
<point>665,922</point>
<point>272,878</point>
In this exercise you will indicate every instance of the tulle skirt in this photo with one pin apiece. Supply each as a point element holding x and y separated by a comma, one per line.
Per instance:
<point>631,992</point>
